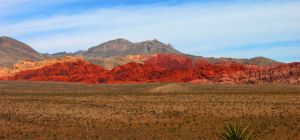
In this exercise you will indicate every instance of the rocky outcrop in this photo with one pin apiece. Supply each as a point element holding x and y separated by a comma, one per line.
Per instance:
<point>31,65</point>
<point>286,73</point>
<point>162,68</point>
<point>78,71</point>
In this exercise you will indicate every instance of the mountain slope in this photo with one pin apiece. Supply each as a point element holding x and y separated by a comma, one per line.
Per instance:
<point>12,51</point>
<point>258,61</point>
<point>122,47</point>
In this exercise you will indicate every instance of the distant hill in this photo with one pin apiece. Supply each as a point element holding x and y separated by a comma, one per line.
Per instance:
<point>13,51</point>
<point>60,54</point>
<point>259,61</point>
<point>123,47</point>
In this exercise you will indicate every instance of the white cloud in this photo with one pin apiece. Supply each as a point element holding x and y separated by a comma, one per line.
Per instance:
<point>191,28</point>
<point>10,3</point>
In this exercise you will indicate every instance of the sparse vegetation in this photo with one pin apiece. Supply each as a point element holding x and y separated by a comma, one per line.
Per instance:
<point>77,111</point>
<point>235,131</point>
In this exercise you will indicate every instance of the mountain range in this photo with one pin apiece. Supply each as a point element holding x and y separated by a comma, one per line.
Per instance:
<point>122,61</point>
<point>13,51</point>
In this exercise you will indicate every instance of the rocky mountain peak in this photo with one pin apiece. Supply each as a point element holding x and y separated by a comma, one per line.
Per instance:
<point>123,47</point>
<point>2,38</point>
<point>119,40</point>
<point>157,43</point>
<point>13,51</point>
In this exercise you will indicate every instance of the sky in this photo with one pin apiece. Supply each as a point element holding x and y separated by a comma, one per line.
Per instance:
<point>210,28</point>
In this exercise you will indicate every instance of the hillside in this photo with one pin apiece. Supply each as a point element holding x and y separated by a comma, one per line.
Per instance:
<point>13,51</point>
<point>123,47</point>
<point>258,61</point>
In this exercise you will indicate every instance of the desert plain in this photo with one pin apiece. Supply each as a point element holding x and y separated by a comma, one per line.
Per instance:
<point>47,110</point>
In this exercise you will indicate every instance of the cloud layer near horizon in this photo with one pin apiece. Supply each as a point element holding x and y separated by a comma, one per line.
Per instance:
<point>233,29</point>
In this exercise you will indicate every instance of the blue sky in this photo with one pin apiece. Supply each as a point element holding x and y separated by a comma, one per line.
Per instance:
<point>218,28</point>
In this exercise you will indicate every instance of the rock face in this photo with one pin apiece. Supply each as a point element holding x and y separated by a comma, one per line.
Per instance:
<point>12,51</point>
<point>162,68</point>
<point>68,71</point>
<point>31,65</point>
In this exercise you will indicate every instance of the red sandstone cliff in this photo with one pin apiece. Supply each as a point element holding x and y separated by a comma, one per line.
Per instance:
<point>161,68</point>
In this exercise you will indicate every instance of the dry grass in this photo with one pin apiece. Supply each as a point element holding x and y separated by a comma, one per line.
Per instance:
<point>76,111</point>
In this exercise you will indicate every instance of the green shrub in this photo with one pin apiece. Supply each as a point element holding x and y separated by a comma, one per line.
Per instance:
<point>235,131</point>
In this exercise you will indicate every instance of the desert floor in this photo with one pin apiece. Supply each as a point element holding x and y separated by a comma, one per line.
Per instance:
<point>35,110</point>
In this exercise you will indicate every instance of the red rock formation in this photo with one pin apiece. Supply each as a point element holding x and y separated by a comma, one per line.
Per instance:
<point>79,71</point>
<point>163,68</point>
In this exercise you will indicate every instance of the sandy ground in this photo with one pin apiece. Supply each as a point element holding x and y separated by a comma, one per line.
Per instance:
<point>74,111</point>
